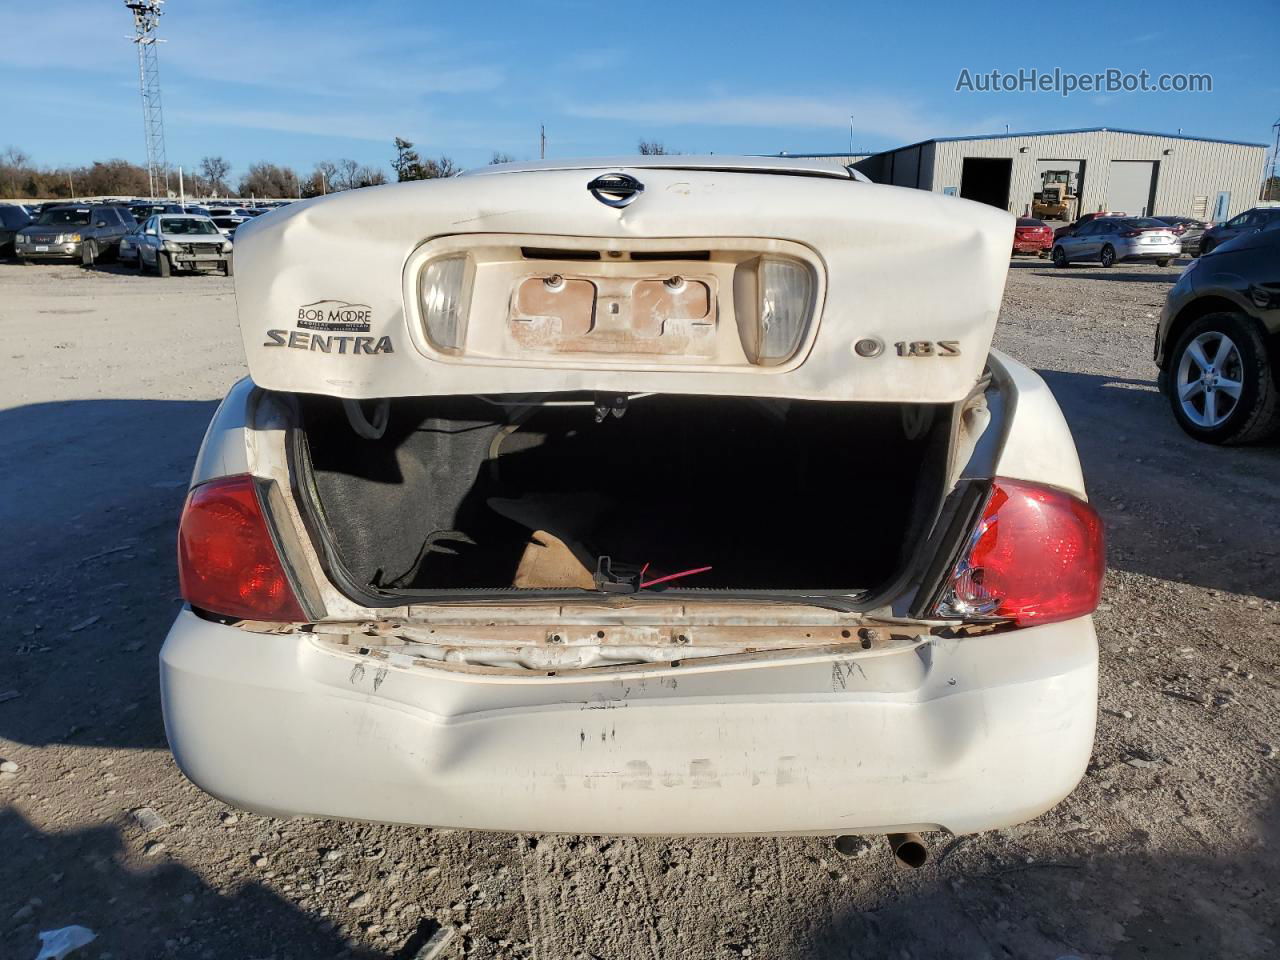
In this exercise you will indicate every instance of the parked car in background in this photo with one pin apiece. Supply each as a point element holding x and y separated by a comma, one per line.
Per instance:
<point>227,219</point>
<point>141,210</point>
<point>1189,231</point>
<point>1218,342</point>
<point>398,565</point>
<point>1070,228</point>
<point>175,243</point>
<point>83,232</point>
<point>1109,240</point>
<point>12,219</point>
<point>1251,221</point>
<point>1032,236</point>
<point>128,250</point>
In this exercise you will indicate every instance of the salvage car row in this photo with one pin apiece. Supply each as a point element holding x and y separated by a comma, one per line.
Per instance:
<point>161,237</point>
<point>1111,237</point>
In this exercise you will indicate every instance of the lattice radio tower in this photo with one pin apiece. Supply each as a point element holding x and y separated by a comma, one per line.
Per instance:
<point>146,17</point>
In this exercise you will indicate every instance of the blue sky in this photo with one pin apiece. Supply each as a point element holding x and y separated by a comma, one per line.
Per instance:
<point>296,82</point>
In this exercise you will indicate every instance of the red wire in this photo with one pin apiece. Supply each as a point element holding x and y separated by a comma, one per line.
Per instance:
<point>670,576</point>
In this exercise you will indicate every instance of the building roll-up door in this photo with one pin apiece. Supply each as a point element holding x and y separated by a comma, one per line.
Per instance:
<point>1132,187</point>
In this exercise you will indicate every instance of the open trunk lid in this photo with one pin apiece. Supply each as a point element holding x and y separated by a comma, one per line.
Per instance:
<point>707,281</point>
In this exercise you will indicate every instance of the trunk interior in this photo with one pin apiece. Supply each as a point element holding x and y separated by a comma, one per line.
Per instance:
<point>529,492</point>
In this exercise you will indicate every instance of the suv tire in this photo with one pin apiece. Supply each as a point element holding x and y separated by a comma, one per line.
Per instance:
<point>89,253</point>
<point>1236,353</point>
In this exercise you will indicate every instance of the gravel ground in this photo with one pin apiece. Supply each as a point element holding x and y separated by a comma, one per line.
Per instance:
<point>1166,849</point>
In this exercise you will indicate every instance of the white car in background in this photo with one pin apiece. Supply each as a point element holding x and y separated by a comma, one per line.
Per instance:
<point>182,243</point>
<point>1110,240</point>
<point>655,496</point>
<point>229,219</point>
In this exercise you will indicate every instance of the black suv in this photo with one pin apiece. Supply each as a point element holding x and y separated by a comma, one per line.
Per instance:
<point>85,232</point>
<point>1218,342</point>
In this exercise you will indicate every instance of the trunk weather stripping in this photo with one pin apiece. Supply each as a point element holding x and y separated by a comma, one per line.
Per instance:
<point>954,532</point>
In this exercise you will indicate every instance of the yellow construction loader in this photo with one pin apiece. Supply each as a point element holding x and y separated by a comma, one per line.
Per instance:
<point>1056,198</point>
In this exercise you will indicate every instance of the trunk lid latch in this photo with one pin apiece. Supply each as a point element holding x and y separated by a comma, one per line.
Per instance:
<point>625,579</point>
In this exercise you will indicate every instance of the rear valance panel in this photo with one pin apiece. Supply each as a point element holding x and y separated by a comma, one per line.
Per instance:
<point>709,282</point>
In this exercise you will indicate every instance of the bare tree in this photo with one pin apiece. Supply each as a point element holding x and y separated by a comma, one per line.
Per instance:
<point>269,180</point>
<point>215,170</point>
<point>440,166</point>
<point>348,174</point>
<point>321,180</point>
<point>652,148</point>
<point>15,172</point>
<point>111,178</point>
<point>368,176</point>
<point>499,157</point>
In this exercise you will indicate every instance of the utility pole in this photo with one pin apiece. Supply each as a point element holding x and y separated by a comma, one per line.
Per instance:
<point>146,18</point>
<point>1271,184</point>
<point>542,134</point>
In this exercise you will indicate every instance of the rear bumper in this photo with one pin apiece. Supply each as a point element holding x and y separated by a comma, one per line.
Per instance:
<point>1151,252</point>
<point>964,735</point>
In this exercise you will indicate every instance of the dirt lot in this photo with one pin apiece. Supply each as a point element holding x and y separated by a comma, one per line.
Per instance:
<point>1166,850</point>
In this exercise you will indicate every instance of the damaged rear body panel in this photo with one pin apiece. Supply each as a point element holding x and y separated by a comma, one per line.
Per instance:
<point>668,496</point>
<point>558,290</point>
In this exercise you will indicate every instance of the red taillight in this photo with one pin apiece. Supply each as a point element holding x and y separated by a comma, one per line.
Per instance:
<point>1132,233</point>
<point>227,561</point>
<point>1036,556</point>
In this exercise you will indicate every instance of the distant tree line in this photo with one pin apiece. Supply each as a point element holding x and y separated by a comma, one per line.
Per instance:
<point>21,178</point>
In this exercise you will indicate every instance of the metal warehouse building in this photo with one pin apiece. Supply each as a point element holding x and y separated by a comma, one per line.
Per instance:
<point>1123,170</point>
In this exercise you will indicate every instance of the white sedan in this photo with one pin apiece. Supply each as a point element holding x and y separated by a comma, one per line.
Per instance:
<point>181,243</point>
<point>652,497</point>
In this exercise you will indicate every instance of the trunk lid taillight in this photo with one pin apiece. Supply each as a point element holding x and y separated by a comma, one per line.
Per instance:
<point>228,562</point>
<point>1036,555</point>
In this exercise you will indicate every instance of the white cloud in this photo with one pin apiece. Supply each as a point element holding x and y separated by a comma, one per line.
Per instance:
<point>873,116</point>
<point>592,60</point>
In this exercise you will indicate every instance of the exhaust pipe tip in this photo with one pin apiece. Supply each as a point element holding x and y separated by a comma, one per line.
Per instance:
<point>910,849</point>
